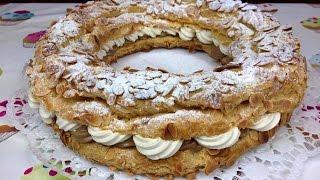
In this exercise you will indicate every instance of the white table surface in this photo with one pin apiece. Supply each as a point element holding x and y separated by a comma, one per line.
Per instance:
<point>15,155</point>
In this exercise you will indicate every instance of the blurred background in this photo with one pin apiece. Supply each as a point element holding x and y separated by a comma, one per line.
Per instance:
<point>80,1</point>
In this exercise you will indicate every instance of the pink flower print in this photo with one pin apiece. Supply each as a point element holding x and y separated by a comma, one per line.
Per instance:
<point>68,170</point>
<point>28,171</point>
<point>53,172</point>
<point>30,40</point>
<point>22,12</point>
<point>3,108</point>
<point>18,105</point>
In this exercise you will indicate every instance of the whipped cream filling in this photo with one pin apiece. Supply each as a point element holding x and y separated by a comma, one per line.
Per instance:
<point>106,137</point>
<point>185,33</point>
<point>45,114</point>
<point>151,31</point>
<point>171,31</point>
<point>102,53</point>
<point>204,36</point>
<point>33,103</point>
<point>221,141</point>
<point>119,42</point>
<point>66,125</point>
<point>156,148</point>
<point>134,36</point>
<point>267,121</point>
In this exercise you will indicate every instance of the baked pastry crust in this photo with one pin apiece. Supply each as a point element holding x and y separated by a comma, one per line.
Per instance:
<point>262,71</point>
<point>273,96</point>
<point>183,163</point>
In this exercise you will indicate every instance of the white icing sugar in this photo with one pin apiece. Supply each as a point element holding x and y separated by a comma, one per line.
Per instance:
<point>169,117</point>
<point>163,7</point>
<point>126,17</point>
<point>214,5</point>
<point>77,71</point>
<point>229,5</point>
<point>239,29</point>
<point>224,5</point>
<point>160,100</point>
<point>254,18</point>
<point>63,29</point>
<point>92,107</point>
<point>166,88</point>
<point>146,122</point>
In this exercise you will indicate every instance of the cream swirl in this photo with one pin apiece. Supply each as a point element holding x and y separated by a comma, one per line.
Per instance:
<point>151,31</point>
<point>171,31</point>
<point>186,33</point>
<point>215,41</point>
<point>108,46</point>
<point>267,122</point>
<point>106,137</point>
<point>102,53</point>
<point>224,49</point>
<point>204,36</point>
<point>220,141</point>
<point>119,42</point>
<point>45,114</point>
<point>156,148</point>
<point>66,125</point>
<point>116,42</point>
<point>134,36</point>
<point>33,103</point>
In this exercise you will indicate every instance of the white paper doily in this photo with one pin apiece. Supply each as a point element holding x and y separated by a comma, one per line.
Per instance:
<point>282,157</point>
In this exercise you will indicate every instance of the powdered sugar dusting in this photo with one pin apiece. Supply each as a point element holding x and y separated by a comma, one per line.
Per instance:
<point>252,40</point>
<point>92,107</point>
<point>64,29</point>
<point>149,123</point>
<point>170,117</point>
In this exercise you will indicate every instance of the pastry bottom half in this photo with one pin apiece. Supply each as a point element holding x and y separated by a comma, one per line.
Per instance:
<point>183,163</point>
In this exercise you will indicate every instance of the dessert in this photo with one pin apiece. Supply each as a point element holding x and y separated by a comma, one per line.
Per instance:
<point>158,123</point>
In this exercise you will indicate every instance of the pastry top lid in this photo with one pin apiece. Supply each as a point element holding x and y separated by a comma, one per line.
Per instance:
<point>261,49</point>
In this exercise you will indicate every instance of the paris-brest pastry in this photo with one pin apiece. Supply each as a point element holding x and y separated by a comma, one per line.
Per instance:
<point>154,122</point>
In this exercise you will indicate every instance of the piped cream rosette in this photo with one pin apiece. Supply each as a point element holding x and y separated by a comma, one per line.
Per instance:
<point>66,125</point>
<point>156,148</point>
<point>33,103</point>
<point>106,137</point>
<point>266,122</point>
<point>221,141</point>
<point>46,115</point>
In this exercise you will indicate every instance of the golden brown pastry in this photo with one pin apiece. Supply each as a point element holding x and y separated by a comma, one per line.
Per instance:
<point>154,115</point>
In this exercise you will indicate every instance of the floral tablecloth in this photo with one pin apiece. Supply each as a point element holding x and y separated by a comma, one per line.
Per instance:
<point>16,47</point>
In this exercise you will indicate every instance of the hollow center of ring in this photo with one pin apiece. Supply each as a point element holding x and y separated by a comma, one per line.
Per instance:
<point>179,61</point>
